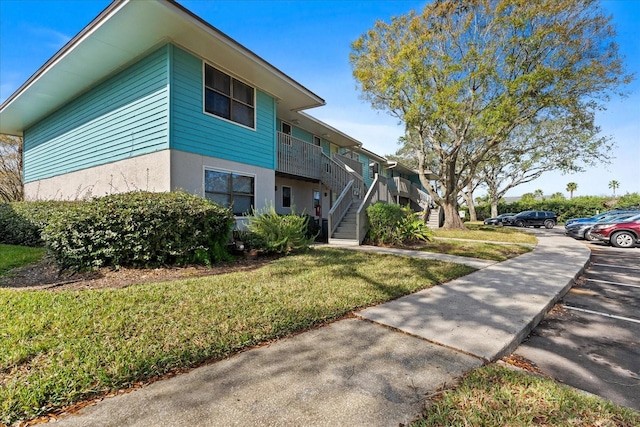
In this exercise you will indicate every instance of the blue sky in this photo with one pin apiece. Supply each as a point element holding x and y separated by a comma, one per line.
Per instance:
<point>309,41</point>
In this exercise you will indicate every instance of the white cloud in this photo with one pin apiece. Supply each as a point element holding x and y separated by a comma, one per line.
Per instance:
<point>51,38</point>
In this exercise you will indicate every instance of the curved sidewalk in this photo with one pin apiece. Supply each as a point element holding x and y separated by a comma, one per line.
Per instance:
<point>487,313</point>
<point>356,372</point>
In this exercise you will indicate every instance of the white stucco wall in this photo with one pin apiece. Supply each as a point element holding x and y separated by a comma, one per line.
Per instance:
<point>149,172</point>
<point>302,196</point>
<point>187,173</point>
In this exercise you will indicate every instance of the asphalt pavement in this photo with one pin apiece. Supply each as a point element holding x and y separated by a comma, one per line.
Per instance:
<point>590,339</point>
<point>376,369</point>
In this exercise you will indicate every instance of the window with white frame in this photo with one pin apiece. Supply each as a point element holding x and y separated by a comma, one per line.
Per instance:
<point>285,128</point>
<point>230,189</point>
<point>286,197</point>
<point>228,98</point>
<point>373,169</point>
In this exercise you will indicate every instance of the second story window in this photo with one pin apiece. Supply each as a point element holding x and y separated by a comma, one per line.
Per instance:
<point>373,169</point>
<point>228,98</point>
<point>285,128</point>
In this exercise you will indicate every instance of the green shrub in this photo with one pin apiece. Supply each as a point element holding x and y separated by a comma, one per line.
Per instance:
<point>139,229</point>
<point>248,239</point>
<point>395,225</point>
<point>21,223</point>
<point>578,207</point>
<point>383,220</point>
<point>280,233</point>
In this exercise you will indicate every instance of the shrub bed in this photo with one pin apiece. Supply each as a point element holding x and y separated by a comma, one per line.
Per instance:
<point>392,224</point>
<point>275,233</point>
<point>139,229</point>
<point>21,223</point>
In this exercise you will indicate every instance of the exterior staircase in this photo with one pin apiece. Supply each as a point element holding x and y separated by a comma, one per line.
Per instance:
<point>346,234</point>
<point>347,217</point>
<point>434,218</point>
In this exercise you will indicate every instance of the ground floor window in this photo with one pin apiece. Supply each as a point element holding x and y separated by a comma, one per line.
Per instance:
<point>286,197</point>
<point>230,189</point>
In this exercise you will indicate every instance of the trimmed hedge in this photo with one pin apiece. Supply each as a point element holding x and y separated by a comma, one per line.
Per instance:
<point>139,229</point>
<point>21,223</point>
<point>578,207</point>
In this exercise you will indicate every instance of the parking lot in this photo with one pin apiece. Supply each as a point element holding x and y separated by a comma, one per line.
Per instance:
<point>591,339</point>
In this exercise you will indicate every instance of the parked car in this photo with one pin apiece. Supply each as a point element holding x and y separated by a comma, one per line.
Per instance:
<point>497,220</point>
<point>582,230</point>
<point>532,218</point>
<point>624,234</point>
<point>603,215</point>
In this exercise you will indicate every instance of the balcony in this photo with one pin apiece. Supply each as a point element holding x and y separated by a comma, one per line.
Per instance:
<point>298,158</point>
<point>411,191</point>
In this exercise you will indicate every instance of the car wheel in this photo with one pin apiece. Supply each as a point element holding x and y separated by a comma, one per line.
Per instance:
<point>519,223</point>
<point>623,239</point>
<point>588,237</point>
<point>549,224</point>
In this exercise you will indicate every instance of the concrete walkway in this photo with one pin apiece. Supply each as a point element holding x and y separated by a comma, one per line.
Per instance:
<point>377,369</point>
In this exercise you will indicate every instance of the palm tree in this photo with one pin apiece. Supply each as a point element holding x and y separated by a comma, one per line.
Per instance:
<point>538,194</point>
<point>571,187</point>
<point>613,184</point>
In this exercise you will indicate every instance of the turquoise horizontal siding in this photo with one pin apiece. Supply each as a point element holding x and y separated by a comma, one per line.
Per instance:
<point>365,169</point>
<point>124,116</point>
<point>194,131</point>
<point>326,147</point>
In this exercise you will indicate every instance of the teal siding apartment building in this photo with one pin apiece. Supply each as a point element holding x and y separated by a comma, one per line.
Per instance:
<point>151,97</point>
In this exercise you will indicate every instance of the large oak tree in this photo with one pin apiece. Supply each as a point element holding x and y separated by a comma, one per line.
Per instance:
<point>539,147</point>
<point>462,75</point>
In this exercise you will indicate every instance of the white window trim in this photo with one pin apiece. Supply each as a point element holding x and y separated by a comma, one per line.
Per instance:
<point>255,98</point>
<point>217,169</point>
<point>282,122</point>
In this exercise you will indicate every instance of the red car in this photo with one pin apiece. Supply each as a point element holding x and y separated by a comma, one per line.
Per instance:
<point>621,235</point>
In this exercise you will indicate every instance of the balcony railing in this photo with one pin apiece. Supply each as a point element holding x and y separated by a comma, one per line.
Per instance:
<point>404,187</point>
<point>297,157</point>
<point>411,191</point>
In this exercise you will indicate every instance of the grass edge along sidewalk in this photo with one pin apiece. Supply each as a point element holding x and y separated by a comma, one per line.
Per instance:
<point>495,395</point>
<point>58,348</point>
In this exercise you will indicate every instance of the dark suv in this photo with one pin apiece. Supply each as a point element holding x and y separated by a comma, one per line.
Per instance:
<point>533,218</point>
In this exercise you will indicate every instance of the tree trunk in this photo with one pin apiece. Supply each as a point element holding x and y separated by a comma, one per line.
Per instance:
<point>494,209</point>
<point>468,198</point>
<point>452,217</point>
<point>472,212</point>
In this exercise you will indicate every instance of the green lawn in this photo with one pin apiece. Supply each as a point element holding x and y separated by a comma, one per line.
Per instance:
<point>57,348</point>
<point>18,256</point>
<point>478,231</point>
<point>497,396</point>
<point>489,251</point>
